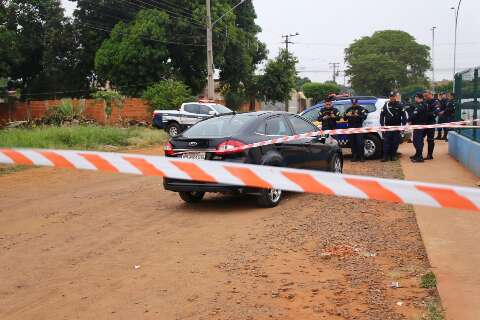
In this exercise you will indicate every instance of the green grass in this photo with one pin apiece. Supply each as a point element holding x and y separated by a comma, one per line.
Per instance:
<point>4,170</point>
<point>81,137</point>
<point>434,312</point>
<point>428,281</point>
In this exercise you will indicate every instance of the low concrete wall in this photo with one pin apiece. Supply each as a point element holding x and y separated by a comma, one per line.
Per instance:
<point>465,150</point>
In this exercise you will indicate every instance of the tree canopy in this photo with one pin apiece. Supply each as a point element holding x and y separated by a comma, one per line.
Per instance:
<point>278,81</point>
<point>319,91</point>
<point>385,61</point>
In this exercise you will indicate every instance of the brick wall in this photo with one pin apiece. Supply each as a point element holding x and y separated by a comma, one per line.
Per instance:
<point>133,109</point>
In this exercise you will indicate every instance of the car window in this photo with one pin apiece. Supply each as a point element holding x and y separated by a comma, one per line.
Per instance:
<point>370,107</point>
<point>219,127</point>
<point>277,126</point>
<point>301,126</point>
<point>192,108</point>
<point>312,115</point>
<point>221,109</point>
<point>342,108</point>
<point>205,109</point>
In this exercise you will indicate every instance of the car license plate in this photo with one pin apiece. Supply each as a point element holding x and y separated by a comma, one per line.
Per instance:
<point>194,155</point>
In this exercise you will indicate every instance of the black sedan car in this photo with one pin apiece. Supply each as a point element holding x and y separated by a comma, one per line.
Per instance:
<point>205,139</point>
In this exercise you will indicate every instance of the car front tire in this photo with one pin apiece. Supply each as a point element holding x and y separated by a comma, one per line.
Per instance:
<point>173,129</point>
<point>336,164</point>
<point>192,197</point>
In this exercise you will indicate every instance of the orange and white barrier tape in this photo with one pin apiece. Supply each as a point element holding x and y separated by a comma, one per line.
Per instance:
<point>308,181</point>
<point>459,124</point>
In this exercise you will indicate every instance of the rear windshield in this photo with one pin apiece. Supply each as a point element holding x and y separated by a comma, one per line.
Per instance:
<point>225,126</point>
<point>221,109</point>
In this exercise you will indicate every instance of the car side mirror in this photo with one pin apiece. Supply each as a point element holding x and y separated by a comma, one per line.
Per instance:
<point>212,113</point>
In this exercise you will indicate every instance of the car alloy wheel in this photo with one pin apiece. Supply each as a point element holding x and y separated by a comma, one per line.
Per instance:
<point>173,131</point>
<point>275,195</point>
<point>370,148</point>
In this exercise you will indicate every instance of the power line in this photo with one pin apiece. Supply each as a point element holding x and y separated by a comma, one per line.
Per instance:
<point>335,65</point>
<point>105,29</point>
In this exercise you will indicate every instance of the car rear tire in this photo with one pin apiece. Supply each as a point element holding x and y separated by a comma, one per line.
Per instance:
<point>173,129</point>
<point>373,147</point>
<point>336,164</point>
<point>192,197</point>
<point>269,198</point>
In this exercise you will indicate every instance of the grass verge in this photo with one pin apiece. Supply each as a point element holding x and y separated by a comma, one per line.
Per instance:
<point>81,137</point>
<point>428,280</point>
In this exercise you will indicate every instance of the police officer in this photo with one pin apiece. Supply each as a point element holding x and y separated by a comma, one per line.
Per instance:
<point>434,109</point>
<point>329,115</point>
<point>392,114</point>
<point>421,116</point>
<point>355,116</point>
<point>442,116</point>
<point>448,113</point>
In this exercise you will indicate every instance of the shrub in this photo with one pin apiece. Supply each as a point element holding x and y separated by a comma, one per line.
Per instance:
<point>319,91</point>
<point>428,281</point>
<point>110,100</point>
<point>168,94</point>
<point>65,111</point>
<point>234,99</point>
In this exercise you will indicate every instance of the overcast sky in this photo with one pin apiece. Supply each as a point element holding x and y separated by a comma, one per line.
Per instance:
<point>327,27</point>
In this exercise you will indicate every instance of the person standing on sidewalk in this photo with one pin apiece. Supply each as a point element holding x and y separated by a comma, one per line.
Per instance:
<point>392,115</point>
<point>355,116</point>
<point>449,113</point>
<point>420,116</point>
<point>442,116</point>
<point>329,116</point>
<point>434,109</point>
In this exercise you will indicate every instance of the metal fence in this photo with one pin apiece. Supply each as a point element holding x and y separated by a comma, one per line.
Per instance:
<point>468,105</point>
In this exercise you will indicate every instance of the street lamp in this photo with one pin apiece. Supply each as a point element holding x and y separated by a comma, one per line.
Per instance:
<point>457,11</point>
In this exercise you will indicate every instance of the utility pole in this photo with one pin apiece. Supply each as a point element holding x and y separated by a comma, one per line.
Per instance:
<point>433,57</point>
<point>335,66</point>
<point>287,42</point>
<point>211,83</point>
<point>457,11</point>
<point>287,39</point>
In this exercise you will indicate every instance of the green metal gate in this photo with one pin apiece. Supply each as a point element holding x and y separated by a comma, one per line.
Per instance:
<point>468,106</point>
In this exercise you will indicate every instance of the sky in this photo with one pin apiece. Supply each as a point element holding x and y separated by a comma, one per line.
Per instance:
<point>327,27</point>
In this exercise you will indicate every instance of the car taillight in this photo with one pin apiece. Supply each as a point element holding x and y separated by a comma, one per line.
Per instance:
<point>229,147</point>
<point>168,149</point>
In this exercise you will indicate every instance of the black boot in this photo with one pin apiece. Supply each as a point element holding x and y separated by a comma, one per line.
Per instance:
<point>385,158</point>
<point>431,147</point>
<point>362,158</point>
<point>354,158</point>
<point>418,159</point>
<point>393,157</point>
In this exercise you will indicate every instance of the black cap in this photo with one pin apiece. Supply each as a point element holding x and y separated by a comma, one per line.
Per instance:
<point>329,99</point>
<point>419,95</point>
<point>392,94</point>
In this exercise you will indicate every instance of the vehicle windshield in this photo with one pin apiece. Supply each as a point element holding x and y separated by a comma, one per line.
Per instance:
<point>221,109</point>
<point>219,127</point>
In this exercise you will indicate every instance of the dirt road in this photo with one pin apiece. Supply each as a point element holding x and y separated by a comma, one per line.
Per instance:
<point>84,245</point>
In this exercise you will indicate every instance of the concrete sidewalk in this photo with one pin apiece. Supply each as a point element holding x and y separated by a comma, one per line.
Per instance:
<point>451,237</point>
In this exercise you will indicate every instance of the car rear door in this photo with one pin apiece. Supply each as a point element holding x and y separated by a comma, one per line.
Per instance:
<point>318,154</point>
<point>294,153</point>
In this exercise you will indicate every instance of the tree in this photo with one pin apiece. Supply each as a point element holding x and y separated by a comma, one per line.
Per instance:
<point>37,45</point>
<point>136,55</point>
<point>385,61</point>
<point>319,91</point>
<point>278,81</point>
<point>299,82</point>
<point>168,94</point>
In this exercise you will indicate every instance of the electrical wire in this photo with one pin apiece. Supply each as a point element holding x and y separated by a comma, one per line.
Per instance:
<point>106,29</point>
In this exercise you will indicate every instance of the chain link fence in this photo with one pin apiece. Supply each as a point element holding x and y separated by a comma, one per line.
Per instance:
<point>467,93</point>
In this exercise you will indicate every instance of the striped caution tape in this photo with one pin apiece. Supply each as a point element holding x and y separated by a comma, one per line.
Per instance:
<point>459,124</point>
<point>308,181</point>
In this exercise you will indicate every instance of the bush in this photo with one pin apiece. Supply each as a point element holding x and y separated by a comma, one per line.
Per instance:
<point>80,137</point>
<point>319,91</point>
<point>428,281</point>
<point>57,115</point>
<point>166,95</point>
<point>110,99</point>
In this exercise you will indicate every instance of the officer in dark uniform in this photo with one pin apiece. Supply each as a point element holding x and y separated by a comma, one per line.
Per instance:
<point>329,115</point>
<point>442,116</point>
<point>421,116</point>
<point>392,114</point>
<point>355,116</point>
<point>434,109</point>
<point>448,113</point>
